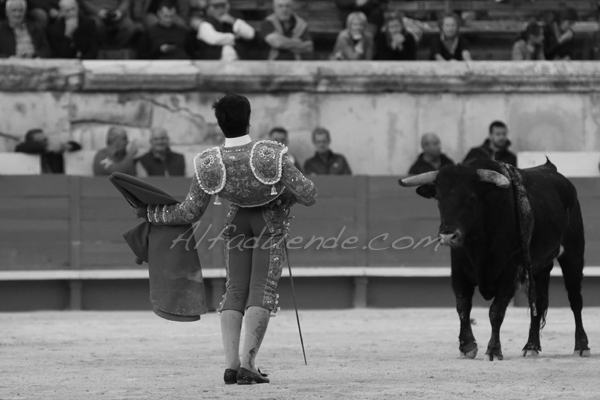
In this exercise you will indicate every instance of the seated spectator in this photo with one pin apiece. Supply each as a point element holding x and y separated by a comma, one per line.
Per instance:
<point>559,36</point>
<point>373,9</point>
<point>530,45</point>
<point>36,142</point>
<point>115,157</point>
<point>43,12</point>
<point>160,160</point>
<point>280,135</point>
<point>73,35</point>
<point>286,34</point>
<point>222,36</point>
<point>449,44</point>
<point>355,42</point>
<point>432,158</point>
<point>165,40</point>
<point>20,38</point>
<point>495,146</point>
<point>394,42</point>
<point>144,13</point>
<point>197,13</point>
<point>325,162</point>
<point>113,24</point>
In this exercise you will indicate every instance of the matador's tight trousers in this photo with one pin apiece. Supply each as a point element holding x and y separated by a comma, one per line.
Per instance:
<point>254,245</point>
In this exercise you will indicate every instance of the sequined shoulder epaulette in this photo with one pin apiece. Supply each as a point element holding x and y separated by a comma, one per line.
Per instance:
<point>210,170</point>
<point>266,158</point>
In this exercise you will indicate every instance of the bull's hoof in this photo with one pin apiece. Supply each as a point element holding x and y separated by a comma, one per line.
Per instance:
<point>531,353</point>
<point>470,354</point>
<point>582,353</point>
<point>469,351</point>
<point>492,357</point>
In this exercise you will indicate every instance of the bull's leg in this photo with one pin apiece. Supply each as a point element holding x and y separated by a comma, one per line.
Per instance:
<point>573,275</point>
<point>542,282</point>
<point>505,292</point>
<point>463,290</point>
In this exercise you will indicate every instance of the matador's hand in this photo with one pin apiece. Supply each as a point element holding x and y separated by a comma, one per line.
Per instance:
<point>285,200</point>
<point>140,211</point>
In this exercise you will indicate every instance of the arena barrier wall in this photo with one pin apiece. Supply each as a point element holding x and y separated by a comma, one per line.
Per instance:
<point>374,110</point>
<point>61,246</point>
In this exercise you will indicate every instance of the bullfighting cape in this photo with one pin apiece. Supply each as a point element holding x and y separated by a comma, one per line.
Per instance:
<point>176,285</point>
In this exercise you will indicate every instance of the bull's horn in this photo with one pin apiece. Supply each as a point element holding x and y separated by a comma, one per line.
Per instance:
<point>486,175</point>
<point>418,180</point>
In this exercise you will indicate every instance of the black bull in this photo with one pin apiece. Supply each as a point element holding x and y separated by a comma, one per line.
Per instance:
<point>479,220</point>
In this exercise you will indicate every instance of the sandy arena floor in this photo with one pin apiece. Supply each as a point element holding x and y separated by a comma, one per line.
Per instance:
<point>352,354</point>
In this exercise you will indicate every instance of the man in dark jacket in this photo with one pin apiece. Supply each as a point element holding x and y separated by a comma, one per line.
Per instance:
<point>495,146</point>
<point>19,38</point>
<point>73,35</point>
<point>36,142</point>
<point>160,160</point>
<point>432,158</point>
<point>166,40</point>
<point>325,162</point>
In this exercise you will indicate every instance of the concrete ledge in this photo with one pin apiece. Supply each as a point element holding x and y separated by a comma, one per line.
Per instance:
<point>315,77</point>
<point>139,75</point>
<point>300,272</point>
<point>40,75</point>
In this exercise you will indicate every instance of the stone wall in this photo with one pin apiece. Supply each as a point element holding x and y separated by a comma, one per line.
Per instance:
<point>376,112</point>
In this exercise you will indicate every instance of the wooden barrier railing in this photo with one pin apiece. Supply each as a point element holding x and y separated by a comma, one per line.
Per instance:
<point>73,223</point>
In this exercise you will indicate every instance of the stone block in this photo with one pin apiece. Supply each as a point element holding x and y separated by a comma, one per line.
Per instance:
<point>19,75</point>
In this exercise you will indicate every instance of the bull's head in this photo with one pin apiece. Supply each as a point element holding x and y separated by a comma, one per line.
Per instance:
<point>459,192</point>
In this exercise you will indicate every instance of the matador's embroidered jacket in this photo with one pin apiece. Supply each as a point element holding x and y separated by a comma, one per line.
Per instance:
<point>249,175</point>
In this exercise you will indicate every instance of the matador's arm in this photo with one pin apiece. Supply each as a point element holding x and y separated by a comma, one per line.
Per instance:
<point>302,188</point>
<point>187,212</point>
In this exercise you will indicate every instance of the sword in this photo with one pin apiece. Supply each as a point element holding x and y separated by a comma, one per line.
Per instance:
<point>295,306</point>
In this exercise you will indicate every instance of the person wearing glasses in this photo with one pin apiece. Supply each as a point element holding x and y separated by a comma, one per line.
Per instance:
<point>222,36</point>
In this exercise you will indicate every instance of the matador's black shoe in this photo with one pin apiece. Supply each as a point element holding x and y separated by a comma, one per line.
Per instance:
<point>230,376</point>
<point>245,377</point>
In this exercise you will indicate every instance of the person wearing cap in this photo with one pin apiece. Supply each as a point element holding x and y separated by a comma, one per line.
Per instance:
<point>261,184</point>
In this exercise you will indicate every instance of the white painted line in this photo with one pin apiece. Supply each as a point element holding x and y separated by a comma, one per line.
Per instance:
<point>211,273</point>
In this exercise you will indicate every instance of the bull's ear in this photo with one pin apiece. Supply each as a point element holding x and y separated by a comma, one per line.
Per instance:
<point>427,191</point>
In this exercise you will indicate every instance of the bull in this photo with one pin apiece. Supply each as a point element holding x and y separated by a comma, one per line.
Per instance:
<point>490,243</point>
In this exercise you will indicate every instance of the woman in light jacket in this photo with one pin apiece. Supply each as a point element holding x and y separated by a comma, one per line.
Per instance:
<point>355,42</point>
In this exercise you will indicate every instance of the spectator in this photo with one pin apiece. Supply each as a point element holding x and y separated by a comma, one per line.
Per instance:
<point>373,9</point>
<point>286,34</point>
<point>113,24</point>
<point>36,142</point>
<point>355,42</point>
<point>165,40</point>
<point>43,12</point>
<point>495,146</point>
<point>221,36</point>
<point>559,36</point>
<point>73,35</point>
<point>160,160</point>
<point>325,162</point>
<point>394,42</point>
<point>144,13</point>
<point>280,135</point>
<point>19,38</point>
<point>450,45</point>
<point>530,45</point>
<point>115,157</point>
<point>197,13</point>
<point>432,158</point>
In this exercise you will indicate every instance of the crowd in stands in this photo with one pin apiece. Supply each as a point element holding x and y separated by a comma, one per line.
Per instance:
<point>206,29</point>
<point>120,155</point>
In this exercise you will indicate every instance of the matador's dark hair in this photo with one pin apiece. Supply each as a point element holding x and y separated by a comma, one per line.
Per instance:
<point>233,114</point>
